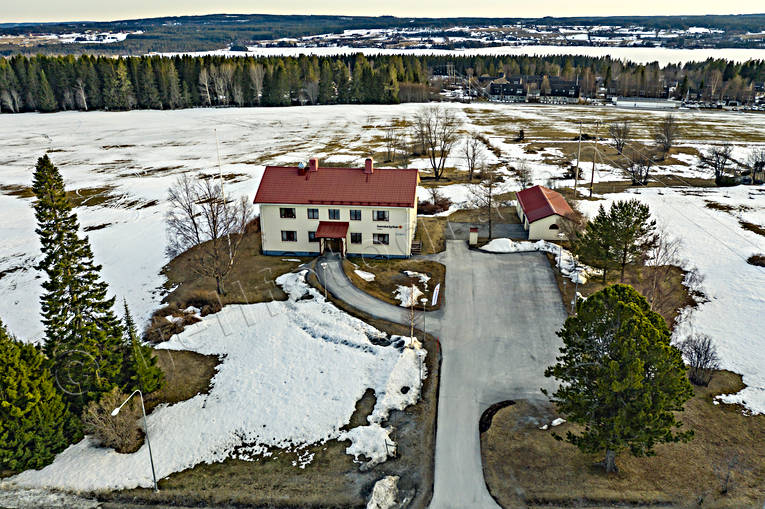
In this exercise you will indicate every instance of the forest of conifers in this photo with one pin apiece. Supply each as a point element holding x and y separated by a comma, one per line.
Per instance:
<point>55,83</point>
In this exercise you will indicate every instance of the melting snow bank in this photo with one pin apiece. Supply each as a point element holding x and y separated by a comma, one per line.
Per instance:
<point>407,295</point>
<point>366,276</point>
<point>290,376</point>
<point>569,267</point>
<point>384,493</point>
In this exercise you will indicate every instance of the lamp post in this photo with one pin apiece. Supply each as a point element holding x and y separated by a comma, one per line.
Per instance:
<point>146,429</point>
<point>324,272</point>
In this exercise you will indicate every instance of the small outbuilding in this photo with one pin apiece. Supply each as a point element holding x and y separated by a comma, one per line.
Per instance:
<point>540,210</point>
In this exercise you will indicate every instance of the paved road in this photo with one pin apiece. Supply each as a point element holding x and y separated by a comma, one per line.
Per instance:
<point>497,331</point>
<point>461,231</point>
<point>497,336</point>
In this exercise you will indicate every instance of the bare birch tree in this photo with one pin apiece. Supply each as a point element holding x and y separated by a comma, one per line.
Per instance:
<point>667,133</point>
<point>473,151</point>
<point>663,255</point>
<point>717,159</point>
<point>437,128</point>
<point>756,161</point>
<point>483,196</point>
<point>207,226</point>
<point>701,355</point>
<point>620,133</point>
<point>638,168</point>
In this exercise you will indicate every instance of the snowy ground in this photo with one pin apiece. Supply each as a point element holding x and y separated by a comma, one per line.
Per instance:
<point>138,154</point>
<point>290,376</point>
<point>715,243</point>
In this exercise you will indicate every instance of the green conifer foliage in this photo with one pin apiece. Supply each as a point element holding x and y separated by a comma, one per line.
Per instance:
<point>83,336</point>
<point>620,377</point>
<point>140,362</point>
<point>35,423</point>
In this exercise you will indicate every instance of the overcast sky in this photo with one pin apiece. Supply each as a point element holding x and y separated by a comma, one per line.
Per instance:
<point>90,10</point>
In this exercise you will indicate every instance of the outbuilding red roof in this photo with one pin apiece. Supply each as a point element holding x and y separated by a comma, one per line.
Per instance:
<point>332,230</point>
<point>539,202</point>
<point>338,186</point>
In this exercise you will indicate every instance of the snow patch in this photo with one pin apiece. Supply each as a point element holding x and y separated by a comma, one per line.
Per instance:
<point>366,276</point>
<point>384,493</point>
<point>290,375</point>
<point>407,295</point>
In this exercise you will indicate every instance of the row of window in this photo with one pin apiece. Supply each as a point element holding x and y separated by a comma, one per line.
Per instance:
<point>355,215</point>
<point>356,238</point>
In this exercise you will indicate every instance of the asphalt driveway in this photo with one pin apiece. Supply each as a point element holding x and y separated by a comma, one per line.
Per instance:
<point>497,331</point>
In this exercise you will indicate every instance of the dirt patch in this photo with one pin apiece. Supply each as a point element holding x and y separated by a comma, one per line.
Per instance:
<point>97,227</point>
<point>526,466</point>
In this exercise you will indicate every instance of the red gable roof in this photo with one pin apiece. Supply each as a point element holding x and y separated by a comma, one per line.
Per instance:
<point>332,230</point>
<point>539,202</point>
<point>338,186</point>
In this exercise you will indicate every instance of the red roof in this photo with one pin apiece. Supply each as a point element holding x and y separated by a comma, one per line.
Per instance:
<point>338,186</point>
<point>331,230</point>
<point>539,202</point>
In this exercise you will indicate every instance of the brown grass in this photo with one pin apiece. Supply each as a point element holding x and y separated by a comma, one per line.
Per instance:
<point>526,466</point>
<point>752,227</point>
<point>84,197</point>
<point>389,274</point>
<point>186,375</point>
<point>430,231</point>
<point>251,280</point>
<point>501,214</point>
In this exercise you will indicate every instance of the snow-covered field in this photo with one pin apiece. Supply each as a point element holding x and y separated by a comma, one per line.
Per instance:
<point>136,155</point>
<point>290,376</point>
<point>714,242</point>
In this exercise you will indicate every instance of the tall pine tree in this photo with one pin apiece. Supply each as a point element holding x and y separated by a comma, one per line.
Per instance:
<point>83,336</point>
<point>141,368</point>
<point>35,423</point>
<point>620,378</point>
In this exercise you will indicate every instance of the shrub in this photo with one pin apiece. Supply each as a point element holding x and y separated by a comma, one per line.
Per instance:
<point>701,355</point>
<point>120,432</point>
<point>758,260</point>
<point>203,299</point>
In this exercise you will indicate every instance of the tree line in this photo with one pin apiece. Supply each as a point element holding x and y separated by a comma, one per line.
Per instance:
<point>58,83</point>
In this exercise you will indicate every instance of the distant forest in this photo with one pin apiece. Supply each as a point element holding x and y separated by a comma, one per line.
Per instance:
<point>47,83</point>
<point>203,33</point>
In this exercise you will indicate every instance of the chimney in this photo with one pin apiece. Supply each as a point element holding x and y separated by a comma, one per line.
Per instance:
<point>369,166</point>
<point>313,164</point>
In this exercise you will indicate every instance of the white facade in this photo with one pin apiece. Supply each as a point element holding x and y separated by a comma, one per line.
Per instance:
<point>546,228</point>
<point>399,227</point>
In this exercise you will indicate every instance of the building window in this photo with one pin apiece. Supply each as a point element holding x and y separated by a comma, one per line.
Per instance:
<point>554,227</point>
<point>380,238</point>
<point>334,213</point>
<point>313,213</point>
<point>289,236</point>
<point>287,213</point>
<point>355,238</point>
<point>355,215</point>
<point>312,237</point>
<point>381,215</point>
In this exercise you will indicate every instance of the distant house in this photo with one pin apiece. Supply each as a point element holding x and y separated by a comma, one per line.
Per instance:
<point>545,89</point>
<point>540,210</point>
<point>308,210</point>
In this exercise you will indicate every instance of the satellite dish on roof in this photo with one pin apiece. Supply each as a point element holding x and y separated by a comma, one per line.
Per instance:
<point>301,166</point>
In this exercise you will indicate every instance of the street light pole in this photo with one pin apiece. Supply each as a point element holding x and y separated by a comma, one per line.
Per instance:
<point>146,429</point>
<point>324,272</point>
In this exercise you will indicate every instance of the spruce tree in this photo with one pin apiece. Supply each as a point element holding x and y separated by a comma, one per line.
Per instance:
<point>83,336</point>
<point>35,423</point>
<point>140,364</point>
<point>620,378</point>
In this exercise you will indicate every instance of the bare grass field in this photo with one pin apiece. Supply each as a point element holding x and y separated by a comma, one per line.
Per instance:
<point>525,466</point>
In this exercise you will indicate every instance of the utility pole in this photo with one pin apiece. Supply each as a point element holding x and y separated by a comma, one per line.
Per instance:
<point>578,155</point>
<point>411,313</point>
<point>594,153</point>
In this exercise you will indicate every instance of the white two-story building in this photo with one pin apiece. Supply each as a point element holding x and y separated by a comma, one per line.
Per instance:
<point>305,211</point>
